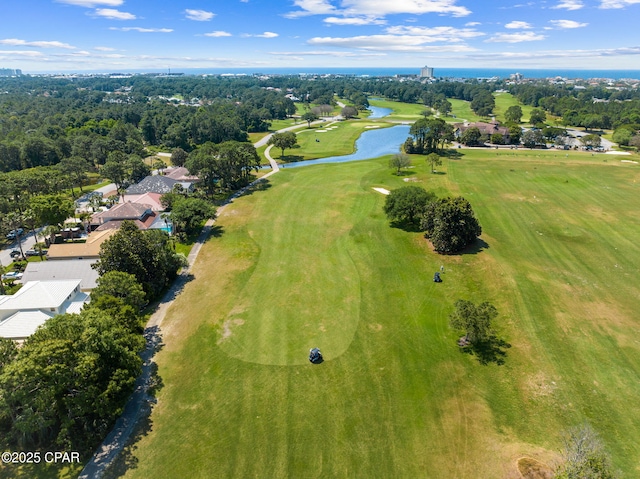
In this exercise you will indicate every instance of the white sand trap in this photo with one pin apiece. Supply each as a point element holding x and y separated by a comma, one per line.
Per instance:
<point>629,161</point>
<point>372,126</point>
<point>382,190</point>
<point>321,131</point>
<point>617,153</point>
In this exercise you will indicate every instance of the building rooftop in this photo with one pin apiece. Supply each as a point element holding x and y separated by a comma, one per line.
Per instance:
<point>152,184</point>
<point>63,270</point>
<point>41,295</point>
<point>90,249</point>
<point>22,324</point>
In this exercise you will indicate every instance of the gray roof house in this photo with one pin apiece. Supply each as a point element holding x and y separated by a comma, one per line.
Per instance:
<point>63,270</point>
<point>156,184</point>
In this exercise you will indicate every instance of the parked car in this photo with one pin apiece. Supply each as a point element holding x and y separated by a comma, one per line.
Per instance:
<point>12,275</point>
<point>15,253</point>
<point>34,252</point>
<point>13,234</point>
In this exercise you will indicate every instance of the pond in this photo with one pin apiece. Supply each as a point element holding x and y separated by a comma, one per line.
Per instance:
<point>378,112</point>
<point>372,143</point>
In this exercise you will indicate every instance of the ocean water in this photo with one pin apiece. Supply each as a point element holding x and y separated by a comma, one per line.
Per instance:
<point>438,72</point>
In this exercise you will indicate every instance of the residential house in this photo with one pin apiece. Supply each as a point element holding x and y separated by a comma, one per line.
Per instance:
<point>35,303</point>
<point>150,199</point>
<point>87,250</point>
<point>141,214</point>
<point>157,184</point>
<point>63,270</point>
<point>486,129</point>
<point>181,174</point>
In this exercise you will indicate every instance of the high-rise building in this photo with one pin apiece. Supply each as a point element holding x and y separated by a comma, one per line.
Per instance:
<point>426,72</point>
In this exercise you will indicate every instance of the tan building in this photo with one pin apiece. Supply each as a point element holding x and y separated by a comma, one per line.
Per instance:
<point>88,250</point>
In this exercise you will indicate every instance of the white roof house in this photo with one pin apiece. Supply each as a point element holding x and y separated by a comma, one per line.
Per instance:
<point>35,302</point>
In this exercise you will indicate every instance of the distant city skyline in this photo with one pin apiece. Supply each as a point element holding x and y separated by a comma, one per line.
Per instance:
<point>111,35</point>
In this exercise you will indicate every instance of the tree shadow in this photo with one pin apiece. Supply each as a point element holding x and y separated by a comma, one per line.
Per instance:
<point>476,247</point>
<point>404,173</point>
<point>258,185</point>
<point>438,172</point>
<point>452,154</point>
<point>493,350</point>
<point>407,226</point>
<point>292,158</point>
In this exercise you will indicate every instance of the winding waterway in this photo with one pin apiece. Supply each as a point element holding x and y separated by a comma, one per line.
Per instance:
<point>371,144</point>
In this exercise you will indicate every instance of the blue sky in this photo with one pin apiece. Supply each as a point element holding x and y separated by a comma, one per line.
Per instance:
<point>110,35</point>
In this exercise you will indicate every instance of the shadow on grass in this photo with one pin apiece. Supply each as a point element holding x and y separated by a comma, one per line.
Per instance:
<point>438,172</point>
<point>452,154</point>
<point>292,158</point>
<point>408,226</point>
<point>493,350</point>
<point>404,173</point>
<point>259,185</point>
<point>476,247</point>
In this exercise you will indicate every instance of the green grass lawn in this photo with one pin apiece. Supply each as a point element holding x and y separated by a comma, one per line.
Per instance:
<point>312,262</point>
<point>462,111</point>
<point>401,111</point>
<point>504,101</point>
<point>333,139</point>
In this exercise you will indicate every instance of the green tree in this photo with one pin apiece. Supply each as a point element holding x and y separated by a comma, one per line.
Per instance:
<point>471,136</point>
<point>75,168</point>
<point>349,112</point>
<point>623,135</point>
<point>513,114</point>
<point>474,320</point>
<point>433,160</point>
<point>69,382</point>
<point>584,456</point>
<point>147,255</point>
<point>284,140</point>
<point>407,204</point>
<point>483,103</point>
<point>497,139</point>
<point>188,214</point>
<point>51,209</point>
<point>450,224</point>
<point>179,157</point>
<point>399,161</point>
<point>115,169</point>
<point>532,138</point>
<point>123,286</point>
<point>537,117</point>
<point>592,140</point>
<point>138,170</point>
<point>515,132</point>
<point>309,117</point>
<point>8,352</point>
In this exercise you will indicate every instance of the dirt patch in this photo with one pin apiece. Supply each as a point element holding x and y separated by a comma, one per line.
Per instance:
<point>375,327</point>
<point>530,468</point>
<point>539,385</point>
<point>227,329</point>
<point>384,191</point>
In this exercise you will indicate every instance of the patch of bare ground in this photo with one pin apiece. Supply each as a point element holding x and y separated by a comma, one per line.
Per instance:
<point>539,385</point>
<point>530,468</point>
<point>227,328</point>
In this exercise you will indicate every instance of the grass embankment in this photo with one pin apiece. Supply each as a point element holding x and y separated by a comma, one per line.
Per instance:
<point>504,101</point>
<point>312,262</point>
<point>401,111</point>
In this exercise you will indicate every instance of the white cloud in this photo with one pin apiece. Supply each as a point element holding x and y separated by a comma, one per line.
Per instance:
<point>567,24</point>
<point>570,4</point>
<point>354,21</point>
<point>518,25</point>
<point>104,49</point>
<point>617,3</point>
<point>92,3</point>
<point>262,35</point>
<point>38,44</point>
<point>329,53</point>
<point>114,14</point>
<point>199,15</point>
<point>19,53</point>
<point>218,33</point>
<point>142,30</point>
<point>436,34</point>
<point>312,7</point>
<point>406,43</point>
<point>472,24</point>
<point>378,8</point>
<point>515,37</point>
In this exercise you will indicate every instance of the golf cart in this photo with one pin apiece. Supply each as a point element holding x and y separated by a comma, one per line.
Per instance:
<point>315,356</point>
<point>436,278</point>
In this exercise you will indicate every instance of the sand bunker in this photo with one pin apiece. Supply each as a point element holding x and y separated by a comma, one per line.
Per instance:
<point>382,190</point>
<point>628,161</point>
<point>617,153</point>
<point>372,126</point>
